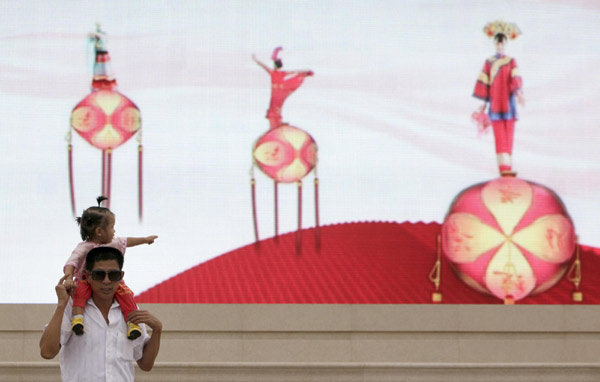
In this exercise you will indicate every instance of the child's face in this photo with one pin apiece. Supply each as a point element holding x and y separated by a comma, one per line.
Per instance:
<point>107,232</point>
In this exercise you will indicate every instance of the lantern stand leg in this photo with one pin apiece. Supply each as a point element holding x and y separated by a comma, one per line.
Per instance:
<point>299,231</point>
<point>71,183</point>
<point>108,175</point>
<point>140,182</point>
<point>317,225</point>
<point>276,208</point>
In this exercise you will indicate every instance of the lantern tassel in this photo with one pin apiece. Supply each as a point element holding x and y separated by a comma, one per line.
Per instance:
<point>140,182</point>
<point>71,183</point>
<point>435,276</point>
<point>317,225</point>
<point>276,207</point>
<point>103,184</point>
<point>574,275</point>
<point>253,191</point>
<point>108,175</point>
<point>299,231</point>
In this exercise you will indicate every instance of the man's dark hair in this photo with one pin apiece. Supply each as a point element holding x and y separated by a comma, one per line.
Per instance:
<point>101,254</point>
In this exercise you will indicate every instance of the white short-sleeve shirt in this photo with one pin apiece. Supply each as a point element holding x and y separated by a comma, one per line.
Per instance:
<point>103,352</point>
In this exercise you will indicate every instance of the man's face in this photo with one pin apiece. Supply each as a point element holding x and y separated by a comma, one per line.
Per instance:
<point>105,288</point>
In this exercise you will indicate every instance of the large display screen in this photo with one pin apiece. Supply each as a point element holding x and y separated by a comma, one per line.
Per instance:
<point>389,106</point>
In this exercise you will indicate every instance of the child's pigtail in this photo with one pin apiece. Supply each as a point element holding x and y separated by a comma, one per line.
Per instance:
<point>100,199</point>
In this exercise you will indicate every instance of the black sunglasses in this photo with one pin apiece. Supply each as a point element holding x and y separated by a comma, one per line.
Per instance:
<point>100,275</point>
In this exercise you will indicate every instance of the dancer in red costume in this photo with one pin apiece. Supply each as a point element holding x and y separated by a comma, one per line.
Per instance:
<point>282,85</point>
<point>498,84</point>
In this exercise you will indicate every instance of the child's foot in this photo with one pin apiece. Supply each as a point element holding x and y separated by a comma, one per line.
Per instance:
<point>77,325</point>
<point>133,331</point>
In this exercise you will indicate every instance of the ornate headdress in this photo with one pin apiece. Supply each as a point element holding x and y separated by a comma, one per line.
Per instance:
<point>276,53</point>
<point>510,30</point>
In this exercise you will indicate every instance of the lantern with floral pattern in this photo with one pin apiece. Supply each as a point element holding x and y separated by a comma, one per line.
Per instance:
<point>508,237</point>
<point>106,119</point>
<point>285,154</point>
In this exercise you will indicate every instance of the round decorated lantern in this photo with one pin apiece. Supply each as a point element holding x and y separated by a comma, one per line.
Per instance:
<point>508,237</point>
<point>285,154</point>
<point>106,119</point>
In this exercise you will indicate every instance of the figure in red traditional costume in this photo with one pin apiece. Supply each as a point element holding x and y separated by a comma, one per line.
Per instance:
<point>284,153</point>
<point>282,85</point>
<point>106,119</point>
<point>499,85</point>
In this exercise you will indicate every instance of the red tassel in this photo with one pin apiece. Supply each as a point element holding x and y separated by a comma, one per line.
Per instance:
<point>103,184</point>
<point>317,225</point>
<point>299,232</point>
<point>108,175</point>
<point>140,181</point>
<point>276,209</point>
<point>253,189</point>
<point>71,183</point>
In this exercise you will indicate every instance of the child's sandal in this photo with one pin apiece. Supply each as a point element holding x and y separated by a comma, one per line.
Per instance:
<point>77,326</point>
<point>133,331</point>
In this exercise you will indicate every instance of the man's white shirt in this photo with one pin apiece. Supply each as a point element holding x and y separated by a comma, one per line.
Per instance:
<point>103,352</point>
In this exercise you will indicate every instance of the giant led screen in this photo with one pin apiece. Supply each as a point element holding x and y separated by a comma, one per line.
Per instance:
<point>380,112</point>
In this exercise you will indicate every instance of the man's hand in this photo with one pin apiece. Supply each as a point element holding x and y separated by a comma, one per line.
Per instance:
<point>153,345</point>
<point>62,290</point>
<point>144,316</point>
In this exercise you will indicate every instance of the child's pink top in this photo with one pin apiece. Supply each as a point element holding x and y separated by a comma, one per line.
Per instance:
<point>77,259</point>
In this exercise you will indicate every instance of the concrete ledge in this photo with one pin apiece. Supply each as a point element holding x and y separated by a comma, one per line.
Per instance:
<point>342,343</point>
<point>341,318</point>
<point>322,372</point>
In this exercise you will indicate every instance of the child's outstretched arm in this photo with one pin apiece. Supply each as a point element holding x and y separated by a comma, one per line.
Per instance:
<point>133,241</point>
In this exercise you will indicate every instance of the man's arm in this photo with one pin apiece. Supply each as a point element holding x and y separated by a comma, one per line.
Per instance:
<point>153,345</point>
<point>50,341</point>
<point>133,241</point>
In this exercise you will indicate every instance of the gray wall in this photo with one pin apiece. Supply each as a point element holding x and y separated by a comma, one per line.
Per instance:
<point>233,342</point>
